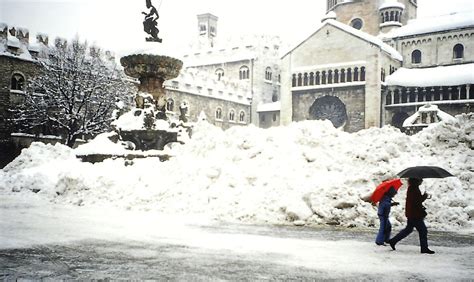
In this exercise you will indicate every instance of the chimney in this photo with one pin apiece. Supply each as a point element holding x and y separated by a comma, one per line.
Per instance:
<point>23,35</point>
<point>42,38</point>
<point>3,31</point>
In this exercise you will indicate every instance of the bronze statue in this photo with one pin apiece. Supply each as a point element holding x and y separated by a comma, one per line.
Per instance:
<point>150,22</point>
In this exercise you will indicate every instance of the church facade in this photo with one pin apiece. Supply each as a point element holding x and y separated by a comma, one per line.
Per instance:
<point>372,63</point>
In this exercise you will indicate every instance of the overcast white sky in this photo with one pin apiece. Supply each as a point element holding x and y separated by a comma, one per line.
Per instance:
<point>117,24</point>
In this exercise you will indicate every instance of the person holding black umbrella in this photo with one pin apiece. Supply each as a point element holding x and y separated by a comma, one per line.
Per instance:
<point>415,213</point>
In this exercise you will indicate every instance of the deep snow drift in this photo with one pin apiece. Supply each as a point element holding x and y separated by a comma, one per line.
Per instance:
<point>306,173</point>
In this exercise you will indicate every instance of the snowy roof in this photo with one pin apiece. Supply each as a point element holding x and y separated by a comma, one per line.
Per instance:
<point>434,24</point>
<point>417,120</point>
<point>270,107</point>
<point>391,4</point>
<point>330,15</point>
<point>206,60</point>
<point>360,34</point>
<point>437,76</point>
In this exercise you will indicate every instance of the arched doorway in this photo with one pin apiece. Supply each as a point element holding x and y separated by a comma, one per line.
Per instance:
<point>329,108</point>
<point>398,119</point>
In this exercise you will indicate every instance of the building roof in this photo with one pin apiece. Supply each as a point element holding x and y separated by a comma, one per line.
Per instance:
<point>357,33</point>
<point>436,76</point>
<point>434,24</point>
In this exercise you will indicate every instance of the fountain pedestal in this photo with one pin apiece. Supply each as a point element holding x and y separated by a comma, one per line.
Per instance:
<point>151,71</point>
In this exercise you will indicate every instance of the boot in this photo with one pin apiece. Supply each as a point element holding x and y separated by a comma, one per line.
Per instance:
<point>392,244</point>
<point>427,251</point>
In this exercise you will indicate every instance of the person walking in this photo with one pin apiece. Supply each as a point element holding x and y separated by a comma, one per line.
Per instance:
<point>415,213</point>
<point>383,212</point>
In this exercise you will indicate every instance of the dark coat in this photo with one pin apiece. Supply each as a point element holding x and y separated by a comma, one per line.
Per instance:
<point>414,205</point>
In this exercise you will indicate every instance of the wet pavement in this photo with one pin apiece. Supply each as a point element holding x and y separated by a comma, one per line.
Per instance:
<point>111,260</point>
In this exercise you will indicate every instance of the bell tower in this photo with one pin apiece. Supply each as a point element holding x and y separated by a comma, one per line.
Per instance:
<point>207,27</point>
<point>373,16</point>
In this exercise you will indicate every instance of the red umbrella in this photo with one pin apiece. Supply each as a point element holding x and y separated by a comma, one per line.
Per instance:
<point>383,188</point>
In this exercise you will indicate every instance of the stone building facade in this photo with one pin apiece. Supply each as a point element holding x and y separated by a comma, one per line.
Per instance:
<point>397,64</point>
<point>237,75</point>
<point>18,63</point>
<point>336,74</point>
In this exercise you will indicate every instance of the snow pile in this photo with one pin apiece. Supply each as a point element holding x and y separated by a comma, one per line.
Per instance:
<point>306,173</point>
<point>437,76</point>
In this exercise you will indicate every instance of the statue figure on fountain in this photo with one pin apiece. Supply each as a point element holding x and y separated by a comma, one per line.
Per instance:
<point>150,23</point>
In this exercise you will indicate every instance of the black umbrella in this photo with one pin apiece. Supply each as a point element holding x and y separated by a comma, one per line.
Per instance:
<point>424,172</point>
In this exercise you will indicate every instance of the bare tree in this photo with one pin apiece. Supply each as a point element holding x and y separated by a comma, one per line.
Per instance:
<point>75,93</point>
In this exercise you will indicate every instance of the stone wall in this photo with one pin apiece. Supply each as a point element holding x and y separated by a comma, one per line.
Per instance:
<point>352,97</point>
<point>9,66</point>
<point>437,48</point>
<point>209,105</point>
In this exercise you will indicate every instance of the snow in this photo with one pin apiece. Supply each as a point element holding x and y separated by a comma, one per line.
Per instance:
<point>391,4</point>
<point>269,107</point>
<point>330,15</point>
<point>31,222</point>
<point>134,120</point>
<point>415,119</point>
<point>434,24</point>
<point>306,173</point>
<point>437,76</point>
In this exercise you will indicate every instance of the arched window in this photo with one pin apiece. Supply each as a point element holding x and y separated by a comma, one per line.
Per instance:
<point>318,78</point>
<point>268,74</point>
<point>311,78</point>
<point>336,76</point>
<point>219,113</point>
<point>362,74</point>
<point>349,75</point>
<point>323,77</point>
<point>17,82</point>
<point>305,79</point>
<point>330,77</point>
<point>416,57</point>
<point>388,98</point>
<point>293,81</point>
<point>396,97</point>
<point>356,74</point>
<point>392,16</point>
<point>242,116</point>
<point>387,17</point>
<point>232,115</point>
<point>343,75</point>
<point>300,79</point>
<point>458,51</point>
<point>274,96</point>
<point>219,73</point>
<point>244,73</point>
<point>169,105</point>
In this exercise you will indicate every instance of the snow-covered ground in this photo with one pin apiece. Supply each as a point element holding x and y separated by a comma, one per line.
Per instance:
<point>49,232</point>
<point>306,173</point>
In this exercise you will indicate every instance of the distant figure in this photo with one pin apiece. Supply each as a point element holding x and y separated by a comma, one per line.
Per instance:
<point>383,212</point>
<point>150,22</point>
<point>415,213</point>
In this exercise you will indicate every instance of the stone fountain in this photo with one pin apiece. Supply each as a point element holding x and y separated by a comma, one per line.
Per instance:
<point>151,71</point>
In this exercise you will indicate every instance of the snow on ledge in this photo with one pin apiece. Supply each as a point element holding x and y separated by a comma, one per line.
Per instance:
<point>391,4</point>
<point>437,76</point>
<point>270,107</point>
<point>434,24</point>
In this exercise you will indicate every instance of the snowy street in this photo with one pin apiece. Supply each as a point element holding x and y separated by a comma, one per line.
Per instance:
<point>60,242</point>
